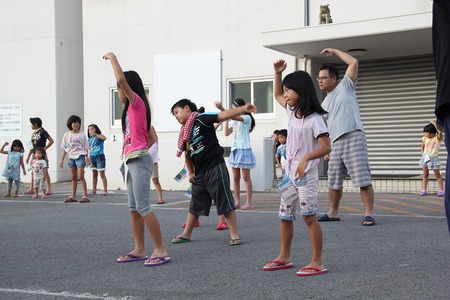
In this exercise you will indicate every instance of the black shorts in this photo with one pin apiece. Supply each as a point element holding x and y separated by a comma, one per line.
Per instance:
<point>213,184</point>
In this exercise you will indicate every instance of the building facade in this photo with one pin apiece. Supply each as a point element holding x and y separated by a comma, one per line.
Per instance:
<point>208,51</point>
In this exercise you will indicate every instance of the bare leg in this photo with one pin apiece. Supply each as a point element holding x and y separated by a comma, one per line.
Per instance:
<point>83,181</point>
<point>49,184</point>
<point>94,181</point>
<point>104,181</point>
<point>334,197</point>
<point>237,186</point>
<point>231,218</point>
<point>316,237</point>
<point>73,174</point>
<point>137,226</point>
<point>187,233</point>
<point>158,190</point>
<point>368,199</point>
<point>248,187</point>
<point>286,235</point>
<point>438,176</point>
<point>152,224</point>
<point>31,190</point>
<point>426,174</point>
<point>32,182</point>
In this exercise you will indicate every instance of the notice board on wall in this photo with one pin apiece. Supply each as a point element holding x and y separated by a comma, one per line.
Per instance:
<point>196,76</point>
<point>10,119</point>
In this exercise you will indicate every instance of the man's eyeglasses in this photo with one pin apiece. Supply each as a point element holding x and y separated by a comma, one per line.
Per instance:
<point>323,78</point>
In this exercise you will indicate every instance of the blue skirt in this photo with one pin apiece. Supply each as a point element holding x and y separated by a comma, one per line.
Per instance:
<point>242,159</point>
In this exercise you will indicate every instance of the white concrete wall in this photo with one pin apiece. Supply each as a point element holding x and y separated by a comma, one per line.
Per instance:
<point>40,47</point>
<point>43,69</point>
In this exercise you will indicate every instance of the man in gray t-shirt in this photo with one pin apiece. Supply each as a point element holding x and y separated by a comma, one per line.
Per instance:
<point>349,147</point>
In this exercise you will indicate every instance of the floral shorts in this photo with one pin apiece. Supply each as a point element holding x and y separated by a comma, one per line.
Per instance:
<point>307,202</point>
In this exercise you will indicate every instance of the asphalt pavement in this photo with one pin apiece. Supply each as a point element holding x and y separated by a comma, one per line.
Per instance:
<point>53,250</point>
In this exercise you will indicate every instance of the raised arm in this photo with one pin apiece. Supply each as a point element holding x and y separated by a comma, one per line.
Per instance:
<point>227,130</point>
<point>120,76</point>
<point>279,66</point>
<point>2,150</point>
<point>352,63</point>
<point>236,111</point>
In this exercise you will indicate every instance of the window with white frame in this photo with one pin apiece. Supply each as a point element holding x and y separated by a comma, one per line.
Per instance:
<point>258,91</point>
<point>117,106</point>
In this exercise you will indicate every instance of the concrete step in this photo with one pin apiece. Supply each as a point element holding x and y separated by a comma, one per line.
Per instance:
<point>410,185</point>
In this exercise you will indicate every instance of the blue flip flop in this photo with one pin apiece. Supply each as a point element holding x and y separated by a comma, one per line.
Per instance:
<point>326,218</point>
<point>368,221</point>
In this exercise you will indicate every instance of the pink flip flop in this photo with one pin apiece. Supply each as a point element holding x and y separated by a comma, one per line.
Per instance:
<point>279,265</point>
<point>316,271</point>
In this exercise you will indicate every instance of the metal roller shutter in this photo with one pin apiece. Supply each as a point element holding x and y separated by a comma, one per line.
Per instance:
<point>396,99</point>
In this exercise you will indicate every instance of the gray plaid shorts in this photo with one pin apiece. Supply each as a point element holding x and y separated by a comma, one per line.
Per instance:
<point>349,156</point>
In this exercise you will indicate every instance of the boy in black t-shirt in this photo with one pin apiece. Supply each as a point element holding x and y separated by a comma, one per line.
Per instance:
<point>39,138</point>
<point>206,166</point>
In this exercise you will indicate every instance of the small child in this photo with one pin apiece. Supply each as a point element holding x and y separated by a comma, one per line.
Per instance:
<point>97,156</point>
<point>431,142</point>
<point>280,156</point>
<point>13,164</point>
<point>39,138</point>
<point>275,145</point>
<point>40,172</point>
<point>75,144</point>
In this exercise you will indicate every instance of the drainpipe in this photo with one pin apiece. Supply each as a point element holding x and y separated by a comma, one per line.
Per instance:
<point>306,12</point>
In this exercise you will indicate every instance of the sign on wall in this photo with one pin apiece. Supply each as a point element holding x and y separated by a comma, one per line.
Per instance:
<point>196,76</point>
<point>10,119</point>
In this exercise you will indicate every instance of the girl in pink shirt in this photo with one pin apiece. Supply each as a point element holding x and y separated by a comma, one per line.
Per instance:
<point>137,138</point>
<point>75,145</point>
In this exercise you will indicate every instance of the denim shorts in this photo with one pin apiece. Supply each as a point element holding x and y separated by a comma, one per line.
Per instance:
<point>77,162</point>
<point>98,162</point>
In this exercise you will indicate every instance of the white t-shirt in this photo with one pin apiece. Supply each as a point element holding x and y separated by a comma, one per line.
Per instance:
<point>302,139</point>
<point>38,166</point>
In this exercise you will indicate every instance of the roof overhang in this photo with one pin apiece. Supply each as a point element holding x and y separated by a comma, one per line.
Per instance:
<point>381,38</point>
